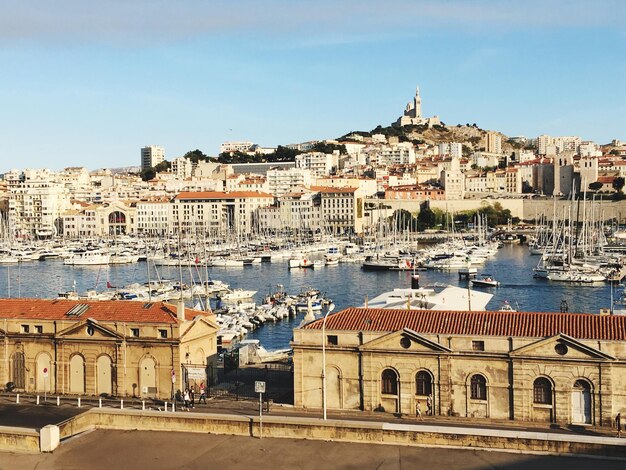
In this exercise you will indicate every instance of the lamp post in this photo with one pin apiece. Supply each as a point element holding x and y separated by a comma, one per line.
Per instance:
<point>331,307</point>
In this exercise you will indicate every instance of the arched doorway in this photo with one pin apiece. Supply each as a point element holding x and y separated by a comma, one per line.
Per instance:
<point>424,391</point>
<point>77,374</point>
<point>389,388</point>
<point>43,376</point>
<point>581,402</point>
<point>18,370</point>
<point>333,388</point>
<point>104,383</point>
<point>147,377</point>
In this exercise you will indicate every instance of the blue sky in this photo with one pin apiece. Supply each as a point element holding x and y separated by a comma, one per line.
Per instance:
<point>90,83</point>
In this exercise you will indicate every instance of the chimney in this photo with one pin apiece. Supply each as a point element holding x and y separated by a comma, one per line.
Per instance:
<point>180,310</point>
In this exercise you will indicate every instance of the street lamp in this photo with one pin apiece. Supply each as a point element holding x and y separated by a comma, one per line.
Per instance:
<point>331,307</point>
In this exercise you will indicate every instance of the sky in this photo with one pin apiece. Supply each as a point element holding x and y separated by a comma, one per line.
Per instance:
<point>90,83</point>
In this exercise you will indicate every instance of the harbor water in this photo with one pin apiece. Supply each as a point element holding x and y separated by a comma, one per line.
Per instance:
<point>346,284</point>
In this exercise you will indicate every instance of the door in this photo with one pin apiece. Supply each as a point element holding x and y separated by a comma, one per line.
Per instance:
<point>44,374</point>
<point>77,374</point>
<point>333,388</point>
<point>18,375</point>
<point>581,403</point>
<point>147,378</point>
<point>104,385</point>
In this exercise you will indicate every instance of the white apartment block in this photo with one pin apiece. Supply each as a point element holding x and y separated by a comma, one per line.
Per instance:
<point>589,149</point>
<point>547,145</point>
<point>341,209</point>
<point>453,181</point>
<point>151,155</point>
<point>451,149</point>
<point>153,217</point>
<point>217,212</point>
<point>301,211</point>
<point>485,160</point>
<point>399,154</point>
<point>35,203</point>
<point>493,142</point>
<point>283,181</point>
<point>182,167</point>
<point>235,147</point>
<point>320,164</point>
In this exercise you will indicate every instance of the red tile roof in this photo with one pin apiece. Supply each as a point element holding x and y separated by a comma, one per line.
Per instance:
<point>103,310</point>
<point>517,324</point>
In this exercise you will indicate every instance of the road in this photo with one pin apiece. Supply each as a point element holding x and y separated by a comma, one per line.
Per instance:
<point>135,450</point>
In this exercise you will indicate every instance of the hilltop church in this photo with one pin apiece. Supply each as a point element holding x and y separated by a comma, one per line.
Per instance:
<point>413,114</point>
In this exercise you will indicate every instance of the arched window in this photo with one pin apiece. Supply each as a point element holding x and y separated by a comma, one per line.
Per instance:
<point>478,387</point>
<point>542,391</point>
<point>389,382</point>
<point>423,383</point>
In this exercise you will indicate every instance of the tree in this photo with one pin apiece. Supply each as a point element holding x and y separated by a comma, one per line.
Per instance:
<point>404,220</point>
<point>618,184</point>
<point>426,219</point>
<point>596,185</point>
<point>196,155</point>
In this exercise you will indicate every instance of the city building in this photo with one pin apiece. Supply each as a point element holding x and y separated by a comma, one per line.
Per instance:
<point>153,216</point>
<point>104,348</point>
<point>320,164</point>
<point>214,212</point>
<point>493,142</point>
<point>341,209</point>
<point>283,181</point>
<point>564,368</point>
<point>228,147</point>
<point>182,167</point>
<point>151,156</point>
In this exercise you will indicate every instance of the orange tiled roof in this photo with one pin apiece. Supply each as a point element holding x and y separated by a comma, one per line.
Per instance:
<point>518,324</point>
<point>103,310</point>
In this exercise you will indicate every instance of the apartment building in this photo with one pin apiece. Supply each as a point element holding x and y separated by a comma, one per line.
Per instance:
<point>151,155</point>
<point>153,216</point>
<point>320,164</point>
<point>217,212</point>
<point>283,181</point>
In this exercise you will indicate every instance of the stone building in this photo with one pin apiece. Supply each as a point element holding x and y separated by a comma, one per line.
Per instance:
<point>119,348</point>
<point>550,367</point>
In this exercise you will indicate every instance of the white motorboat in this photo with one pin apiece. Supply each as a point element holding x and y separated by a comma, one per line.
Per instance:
<point>485,280</point>
<point>237,294</point>
<point>87,258</point>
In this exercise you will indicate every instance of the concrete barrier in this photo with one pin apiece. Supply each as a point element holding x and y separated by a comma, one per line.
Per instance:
<point>49,438</point>
<point>19,440</point>
<point>347,431</point>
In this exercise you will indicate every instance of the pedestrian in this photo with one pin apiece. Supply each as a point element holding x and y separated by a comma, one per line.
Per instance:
<point>618,424</point>
<point>418,410</point>
<point>429,405</point>
<point>192,397</point>
<point>202,393</point>
<point>186,399</point>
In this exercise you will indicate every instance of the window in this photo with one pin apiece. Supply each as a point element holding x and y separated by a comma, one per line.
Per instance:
<point>135,332</point>
<point>332,339</point>
<point>38,329</point>
<point>423,383</point>
<point>162,333</point>
<point>389,382</point>
<point>542,391</point>
<point>478,387</point>
<point>478,345</point>
<point>25,328</point>
<point>561,349</point>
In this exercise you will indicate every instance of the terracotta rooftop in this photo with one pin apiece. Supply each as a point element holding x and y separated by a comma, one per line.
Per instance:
<point>103,310</point>
<point>516,324</point>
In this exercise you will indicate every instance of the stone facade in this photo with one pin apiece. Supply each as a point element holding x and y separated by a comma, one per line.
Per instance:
<point>112,348</point>
<point>529,377</point>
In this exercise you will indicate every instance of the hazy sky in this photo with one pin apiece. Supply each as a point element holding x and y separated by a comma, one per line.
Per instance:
<point>90,83</point>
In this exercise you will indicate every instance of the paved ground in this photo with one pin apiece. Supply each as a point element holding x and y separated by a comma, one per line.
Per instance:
<point>35,417</point>
<point>121,450</point>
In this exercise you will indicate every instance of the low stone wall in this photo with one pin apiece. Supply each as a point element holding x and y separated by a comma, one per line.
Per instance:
<point>18,440</point>
<point>347,431</point>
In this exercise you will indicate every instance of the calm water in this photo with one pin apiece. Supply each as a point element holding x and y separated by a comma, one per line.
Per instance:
<point>346,284</point>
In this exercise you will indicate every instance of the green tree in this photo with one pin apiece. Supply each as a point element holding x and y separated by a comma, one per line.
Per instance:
<point>618,184</point>
<point>426,219</point>
<point>596,186</point>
